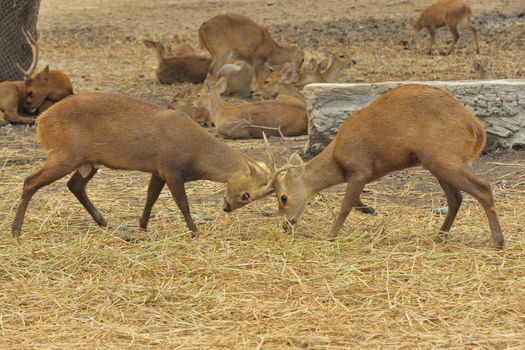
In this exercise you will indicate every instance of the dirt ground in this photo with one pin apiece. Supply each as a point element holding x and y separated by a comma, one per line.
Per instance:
<point>385,283</point>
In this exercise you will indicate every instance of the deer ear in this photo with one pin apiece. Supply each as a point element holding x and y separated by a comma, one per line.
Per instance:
<point>296,160</point>
<point>221,85</point>
<point>46,73</point>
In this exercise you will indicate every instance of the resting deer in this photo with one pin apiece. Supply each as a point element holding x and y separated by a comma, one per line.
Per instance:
<point>277,84</point>
<point>310,73</point>
<point>445,13</point>
<point>192,69</point>
<point>249,120</point>
<point>35,93</point>
<point>482,67</point>
<point>183,101</point>
<point>88,130</point>
<point>228,34</point>
<point>238,82</point>
<point>408,126</point>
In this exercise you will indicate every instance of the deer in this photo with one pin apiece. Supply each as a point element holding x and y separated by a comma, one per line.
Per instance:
<point>332,72</point>
<point>277,84</point>
<point>182,101</point>
<point>180,69</point>
<point>34,93</point>
<point>232,34</point>
<point>89,130</point>
<point>285,117</point>
<point>482,66</point>
<point>310,73</point>
<point>238,81</point>
<point>445,13</point>
<point>408,126</point>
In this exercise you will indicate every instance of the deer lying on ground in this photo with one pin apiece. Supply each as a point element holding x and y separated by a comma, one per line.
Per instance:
<point>482,67</point>
<point>238,82</point>
<point>445,13</point>
<point>192,69</point>
<point>408,126</point>
<point>228,34</point>
<point>286,117</point>
<point>35,93</point>
<point>183,101</point>
<point>88,130</point>
<point>278,83</point>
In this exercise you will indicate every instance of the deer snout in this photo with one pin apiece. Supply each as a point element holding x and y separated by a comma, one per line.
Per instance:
<point>227,207</point>
<point>289,224</point>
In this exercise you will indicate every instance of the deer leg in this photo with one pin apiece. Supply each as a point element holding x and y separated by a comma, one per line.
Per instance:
<point>53,170</point>
<point>363,208</point>
<point>77,185</point>
<point>354,187</point>
<point>219,59</point>
<point>475,33</point>
<point>13,117</point>
<point>178,192</point>
<point>454,31</point>
<point>454,199</point>
<point>156,184</point>
<point>466,181</point>
<point>45,106</point>
<point>432,32</point>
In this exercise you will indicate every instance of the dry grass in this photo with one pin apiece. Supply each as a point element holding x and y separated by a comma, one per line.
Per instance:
<point>385,283</point>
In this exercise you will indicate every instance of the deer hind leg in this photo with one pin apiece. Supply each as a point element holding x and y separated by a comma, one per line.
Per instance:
<point>454,199</point>
<point>455,33</point>
<point>53,169</point>
<point>156,184</point>
<point>463,179</point>
<point>432,32</point>
<point>176,187</point>
<point>354,187</point>
<point>475,33</point>
<point>77,185</point>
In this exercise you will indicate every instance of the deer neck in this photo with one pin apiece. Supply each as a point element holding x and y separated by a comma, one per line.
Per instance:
<point>322,171</point>
<point>219,162</point>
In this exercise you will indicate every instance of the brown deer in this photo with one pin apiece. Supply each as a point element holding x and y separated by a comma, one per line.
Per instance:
<point>184,101</point>
<point>231,34</point>
<point>310,73</point>
<point>408,126</point>
<point>238,82</point>
<point>249,120</point>
<point>445,13</point>
<point>482,66</point>
<point>88,130</point>
<point>278,83</point>
<point>35,93</point>
<point>192,69</point>
<point>333,71</point>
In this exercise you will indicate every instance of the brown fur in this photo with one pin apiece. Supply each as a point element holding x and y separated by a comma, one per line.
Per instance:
<point>12,103</point>
<point>87,130</point>
<point>238,82</point>
<point>249,120</point>
<point>228,34</point>
<point>45,88</point>
<point>310,73</point>
<point>278,83</point>
<point>184,101</point>
<point>192,69</point>
<point>408,126</point>
<point>482,66</point>
<point>445,13</point>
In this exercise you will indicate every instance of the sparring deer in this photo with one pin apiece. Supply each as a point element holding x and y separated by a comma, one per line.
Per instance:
<point>231,34</point>
<point>89,130</point>
<point>285,117</point>
<point>408,126</point>
<point>180,69</point>
<point>445,13</point>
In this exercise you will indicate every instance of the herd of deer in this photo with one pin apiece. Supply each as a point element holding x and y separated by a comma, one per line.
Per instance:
<point>408,126</point>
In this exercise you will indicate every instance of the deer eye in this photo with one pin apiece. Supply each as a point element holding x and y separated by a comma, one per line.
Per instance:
<point>284,199</point>
<point>30,93</point>
<point>245,196</point>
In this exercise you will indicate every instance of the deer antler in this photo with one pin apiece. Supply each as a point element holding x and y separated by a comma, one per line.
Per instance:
<point>34,48</point>
<point>268,149</point>
<point>269,187</point>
